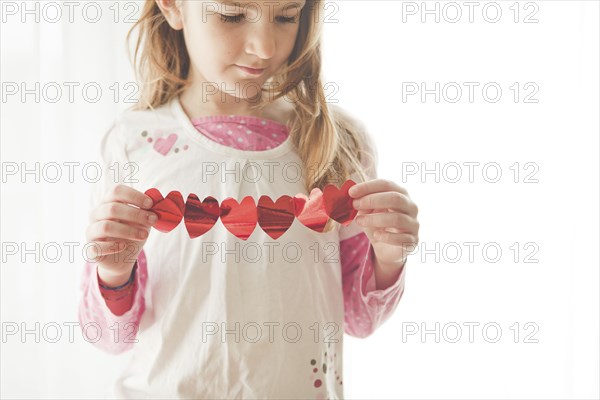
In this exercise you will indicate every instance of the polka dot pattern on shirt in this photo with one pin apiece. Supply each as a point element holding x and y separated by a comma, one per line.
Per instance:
<point>242,132</point>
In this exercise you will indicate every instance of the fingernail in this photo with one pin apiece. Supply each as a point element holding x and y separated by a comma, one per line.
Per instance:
<point>356,203</point>
<point>142,234</point>
<point>148,202</point>
<point>152,218</point>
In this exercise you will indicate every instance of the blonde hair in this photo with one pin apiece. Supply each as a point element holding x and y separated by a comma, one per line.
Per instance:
<point>324,136</point>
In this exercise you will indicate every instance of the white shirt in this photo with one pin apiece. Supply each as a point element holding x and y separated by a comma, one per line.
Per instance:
<point>224,317</point>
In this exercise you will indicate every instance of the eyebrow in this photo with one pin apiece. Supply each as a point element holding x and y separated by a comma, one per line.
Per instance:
<point>236,4</point>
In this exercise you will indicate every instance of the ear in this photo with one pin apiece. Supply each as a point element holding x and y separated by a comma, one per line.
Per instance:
<point>172,13</point>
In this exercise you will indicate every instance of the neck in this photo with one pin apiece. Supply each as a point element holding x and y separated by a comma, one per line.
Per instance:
<point>197,104</point>
<point>203,99</point>
<point>192,103</point>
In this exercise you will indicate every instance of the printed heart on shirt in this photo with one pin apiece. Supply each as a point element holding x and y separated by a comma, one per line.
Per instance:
<point>239,219</point>
<point>164,145</point>
<point>275,218</point>
<point>169,210</point>
<point>338,202</point>
<point>310,211</point>
<point>200,217</point>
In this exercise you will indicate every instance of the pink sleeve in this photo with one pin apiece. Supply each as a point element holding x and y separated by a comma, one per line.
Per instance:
<point>100,326</point>
<point>119,301</point>
<point>365,308</point>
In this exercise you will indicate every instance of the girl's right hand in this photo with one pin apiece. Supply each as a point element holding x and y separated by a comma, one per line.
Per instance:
<point>119,227</point>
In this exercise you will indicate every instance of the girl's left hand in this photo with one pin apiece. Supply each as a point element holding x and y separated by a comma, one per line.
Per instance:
<point>388,217</point>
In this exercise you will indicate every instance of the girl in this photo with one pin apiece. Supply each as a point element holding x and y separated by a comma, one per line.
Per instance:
<point>232,105</point>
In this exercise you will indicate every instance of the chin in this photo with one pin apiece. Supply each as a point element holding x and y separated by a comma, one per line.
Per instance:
<point>246,88</point>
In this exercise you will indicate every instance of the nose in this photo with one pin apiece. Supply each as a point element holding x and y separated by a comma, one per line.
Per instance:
<point>260,39</point>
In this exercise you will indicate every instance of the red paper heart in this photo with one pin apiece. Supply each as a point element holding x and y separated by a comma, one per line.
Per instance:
<point>239,219</point>
<point>310,211</point>
<point>169,210</point>
<point>275,218</point>
<point>200,217</point>
<point>338,202</point>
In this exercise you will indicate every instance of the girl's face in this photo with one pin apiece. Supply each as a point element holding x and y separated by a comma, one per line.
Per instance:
<point>222,37</point>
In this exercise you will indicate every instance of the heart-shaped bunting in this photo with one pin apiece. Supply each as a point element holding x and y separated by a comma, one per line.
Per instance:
<point>310,211</point>
<point>338,203</point>
<point>239,219</point>
<point>200,217</point>
<point>169,210</point>
<point>275,218</point>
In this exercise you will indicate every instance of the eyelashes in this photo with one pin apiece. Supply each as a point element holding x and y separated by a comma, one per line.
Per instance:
<point>239,17</point>
<point>273,216</point>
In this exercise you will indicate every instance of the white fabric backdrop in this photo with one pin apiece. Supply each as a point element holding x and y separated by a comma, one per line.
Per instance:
<point>52,214</point>
<point>368,53</point>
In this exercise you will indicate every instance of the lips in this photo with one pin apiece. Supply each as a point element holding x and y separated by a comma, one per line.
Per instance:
<point>253,71</point>
<point>274,217</point>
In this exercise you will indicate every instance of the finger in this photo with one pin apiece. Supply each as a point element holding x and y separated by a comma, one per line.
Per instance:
<point>398,239</point>
<point>99,249</point>
<point>118,230</point>
<point>386,200</point>
<point>125,213</point>
<point>374,186</point>
<point>400,221</point>
<point>125,194</point>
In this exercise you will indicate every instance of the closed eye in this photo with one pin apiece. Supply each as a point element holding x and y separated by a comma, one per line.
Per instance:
<point>231,18</point>
<point>238,18</point>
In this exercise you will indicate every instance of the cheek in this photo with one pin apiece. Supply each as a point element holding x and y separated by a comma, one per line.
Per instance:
<point>286,43</point>
<point>207,48</point>
<point>218,42</point>
<point>287,37</point>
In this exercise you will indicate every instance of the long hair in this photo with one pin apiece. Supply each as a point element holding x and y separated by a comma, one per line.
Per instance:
<point>330,143</point>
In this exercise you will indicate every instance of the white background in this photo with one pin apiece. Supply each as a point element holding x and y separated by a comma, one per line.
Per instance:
<point>373,51</point>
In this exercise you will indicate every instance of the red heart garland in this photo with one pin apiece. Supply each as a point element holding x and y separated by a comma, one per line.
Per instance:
<point>310,211</point>
<point>200,217</point>
<point>338,202</point>
<point>239,219</point>
<point>169,210</point>
<point>275,218</point>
